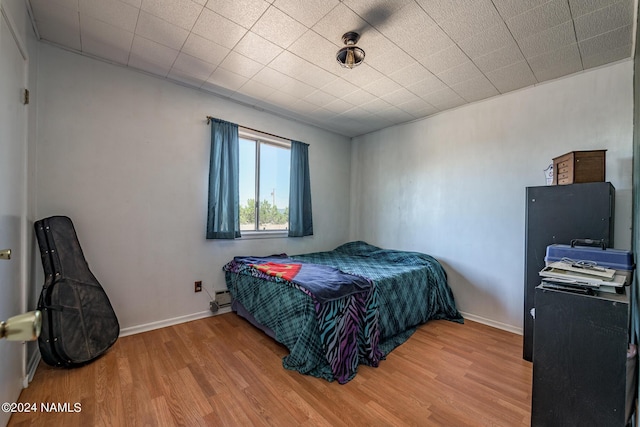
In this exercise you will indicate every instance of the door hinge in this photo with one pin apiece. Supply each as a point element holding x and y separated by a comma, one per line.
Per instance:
<point>25,99</point>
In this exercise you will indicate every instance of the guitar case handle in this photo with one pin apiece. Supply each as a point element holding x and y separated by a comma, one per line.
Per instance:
<point>602,243</point>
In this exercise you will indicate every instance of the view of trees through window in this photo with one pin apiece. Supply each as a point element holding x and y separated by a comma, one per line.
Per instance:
<point>264,176</point>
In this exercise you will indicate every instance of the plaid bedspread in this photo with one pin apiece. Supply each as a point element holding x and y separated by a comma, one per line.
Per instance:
<point>331,339</point>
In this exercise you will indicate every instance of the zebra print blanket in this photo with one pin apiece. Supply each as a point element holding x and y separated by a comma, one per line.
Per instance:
<point>407,289</point>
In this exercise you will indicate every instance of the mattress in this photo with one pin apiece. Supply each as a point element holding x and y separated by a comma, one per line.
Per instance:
<point>329,338</point>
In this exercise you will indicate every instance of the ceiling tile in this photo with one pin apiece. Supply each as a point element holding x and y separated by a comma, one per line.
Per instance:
<point>603,58</point>
<point>548,40</point>
<point>151,56</point>
<point>382,86</point>
<point>359,76</point>
<point>160,31</point>
<point>296,88</point>
<point>512,77</point>
<point>105,41</point>
<point>314,48</point>
<point>428,42</point>
<point>558,63</point>
<point>360,97</point>
<point>257,48</point>
<point>338,21</point>
<point>444,99</point>
<point>218,29</point>
<point>539,19</point>
<point>340,88</point>
<point>508,55</point>
<point>418,108</point>
<point>242,12</point>
<point>288,63</point>
<point>192,66</point>
<point>460,73</point>
<point>375,12</point>
<point>270,77</point>
<point>475,89</point>
<point>182,13</point>
<point>604,20</point>
<point>204,49</point>
<point>410,74</point>
<point>60,25</point>
<point>374,43</point>
<point>278,28</point>
<point>390,61</point>
<point>240,64</point>
<point>227,79</point>
<point>396,115</point>
<point>255,90</point>
<point>112,12</point>
<point>303,107</point>
<point>281,99</point>
<point>427,86</point>
<point>308,12</point>
<point>320,98</point>
<point>405,23</point>
<point>134,3</point>
<point>400,96</point>
<point>375,106</point>
<point>441,10</point>
<point>582,7</point>
<point>602,43</point>
<point>42,8</point>
<point>338,106</point>
<point>312,75</point>
<point>185,78</point>
<point>510,8</point>
<point>216,89</point>
<point>490,40</point>
<point>471,20</point>
<point>445,59</point>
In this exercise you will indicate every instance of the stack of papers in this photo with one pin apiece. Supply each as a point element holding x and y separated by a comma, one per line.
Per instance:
<point>586,277</point>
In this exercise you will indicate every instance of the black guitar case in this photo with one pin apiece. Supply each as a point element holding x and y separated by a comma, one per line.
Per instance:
<point>78,322</point>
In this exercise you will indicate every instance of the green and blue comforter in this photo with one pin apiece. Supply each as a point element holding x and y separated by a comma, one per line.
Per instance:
<point>329,334</point>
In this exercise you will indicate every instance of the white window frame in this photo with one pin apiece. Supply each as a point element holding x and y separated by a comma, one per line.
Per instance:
<point>260,137</point>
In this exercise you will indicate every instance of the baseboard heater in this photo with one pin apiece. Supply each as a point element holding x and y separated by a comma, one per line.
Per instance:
<point>222,299</point>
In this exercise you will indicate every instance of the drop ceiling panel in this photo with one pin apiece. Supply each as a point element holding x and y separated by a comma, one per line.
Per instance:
<point>422,56</point>
<point>160,31</point>
<point>113,12</point>
<point>541,18</point>
<point>512,77</point>
<point>182,13</point>
<point>106,41</point>
<point>242,12</point>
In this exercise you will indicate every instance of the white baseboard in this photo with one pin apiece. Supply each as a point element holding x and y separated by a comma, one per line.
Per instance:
<point>492,323</point>
<point>170,322</point>
<point>32,365</point>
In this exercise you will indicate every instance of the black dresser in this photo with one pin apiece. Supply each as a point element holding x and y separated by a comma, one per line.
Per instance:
<point>558,214</point>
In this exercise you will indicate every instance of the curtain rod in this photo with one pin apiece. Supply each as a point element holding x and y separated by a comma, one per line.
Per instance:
<point>209,118</point>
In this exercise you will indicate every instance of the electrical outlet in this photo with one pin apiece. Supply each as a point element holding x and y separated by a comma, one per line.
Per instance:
<point>198,286</point>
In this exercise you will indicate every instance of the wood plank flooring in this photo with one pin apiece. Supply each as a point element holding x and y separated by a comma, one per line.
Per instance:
<point>221,371</point>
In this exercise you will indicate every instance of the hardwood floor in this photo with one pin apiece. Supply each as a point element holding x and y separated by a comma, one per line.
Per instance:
<point>221,371</point>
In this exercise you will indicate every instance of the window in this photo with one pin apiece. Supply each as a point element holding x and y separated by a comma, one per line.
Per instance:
<point>264,181</point>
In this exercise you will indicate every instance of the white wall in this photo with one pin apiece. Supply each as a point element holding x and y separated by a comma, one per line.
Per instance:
<point>126,156</point>
<point>453,185</point>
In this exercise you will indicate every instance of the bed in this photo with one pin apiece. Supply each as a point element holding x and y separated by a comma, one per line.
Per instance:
<point>339,309</point>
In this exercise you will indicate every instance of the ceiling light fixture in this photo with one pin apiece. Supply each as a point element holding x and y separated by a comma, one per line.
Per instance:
<point>351,55</point>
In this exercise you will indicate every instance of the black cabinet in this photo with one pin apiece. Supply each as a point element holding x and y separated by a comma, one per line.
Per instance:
<point>580,359</point>
<point>558,214</point>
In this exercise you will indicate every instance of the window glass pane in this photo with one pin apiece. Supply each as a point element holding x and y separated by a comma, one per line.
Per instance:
<point>274,187</point>
<point>247,184</point>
